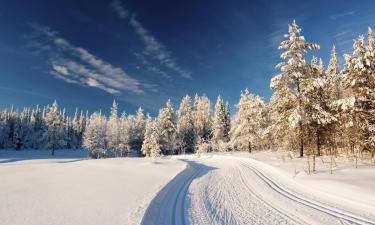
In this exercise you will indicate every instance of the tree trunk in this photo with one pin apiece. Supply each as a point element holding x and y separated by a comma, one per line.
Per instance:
<point>318,143</point>
<point>301,140</point>
<point>331,161</point>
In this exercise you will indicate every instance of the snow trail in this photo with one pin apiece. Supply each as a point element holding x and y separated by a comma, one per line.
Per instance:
<point>233,190</point>
<point>344,216</point>
<point>169,206</point>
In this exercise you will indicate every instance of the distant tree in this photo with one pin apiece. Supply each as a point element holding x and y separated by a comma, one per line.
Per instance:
<point>202,117</point>
<point>185,126</point>
<point>54,135</point>
<point>247,128</point>
<point>227,122</point>
<point>166,125</point>
<point>219,122</point>
<point>94,135</point>
<point>151,146</point>
<point>112,133</point>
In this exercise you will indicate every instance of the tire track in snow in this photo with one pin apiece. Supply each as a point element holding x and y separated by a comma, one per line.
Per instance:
<point>168,206</point>
<point>254,194</point>
<point>221,198</point>
<point>341,215</point>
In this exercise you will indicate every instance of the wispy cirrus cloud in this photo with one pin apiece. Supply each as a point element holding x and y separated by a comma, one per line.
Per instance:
<point>77,65</point>
<point>153,48</point>
<point>341,15</point>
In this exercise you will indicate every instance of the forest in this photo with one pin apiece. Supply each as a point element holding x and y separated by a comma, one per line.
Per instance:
<point>315,110</point>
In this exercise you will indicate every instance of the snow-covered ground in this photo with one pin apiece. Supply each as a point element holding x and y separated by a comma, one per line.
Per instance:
<point>241,188</point>
<point>36,188</point>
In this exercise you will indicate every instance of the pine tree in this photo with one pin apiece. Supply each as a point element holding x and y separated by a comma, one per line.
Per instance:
<point>227,122</point>
<point>138,129</point>
<point>112,133</point>
<point>288,99</point>
<point>166,124</point>
<point>54,135</point>
<point>219,123</point>
<point>247,129</point>
<point>124,135</point>
<point>94,136</point>
<point>202,117</point>
<point>185,126</point>
<point>151,146</point>
<point>359,81</point>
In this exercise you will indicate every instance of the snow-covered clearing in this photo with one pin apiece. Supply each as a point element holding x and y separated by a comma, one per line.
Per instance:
<point>241,188</point>
<point>36,188</point>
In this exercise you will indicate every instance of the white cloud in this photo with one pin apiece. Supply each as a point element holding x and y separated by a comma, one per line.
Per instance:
<point>119,9</point>
<point>153,48</point>
<point>340,15</point>
<point>60,69</point>
<point>77,65</point>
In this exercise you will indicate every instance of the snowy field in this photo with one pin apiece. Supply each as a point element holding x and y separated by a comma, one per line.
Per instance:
<point>237,188</point>
<point>69,189</point>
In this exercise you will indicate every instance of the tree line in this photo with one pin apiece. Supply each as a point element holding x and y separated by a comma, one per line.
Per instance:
<point>314,110</point>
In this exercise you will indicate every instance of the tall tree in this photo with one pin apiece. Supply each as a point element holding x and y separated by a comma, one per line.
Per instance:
<point>227,122</point>
<point>166,124</point>
<point>218,125</point>
<point>202,117</point>
<point>112,132</point>
<point>185,126</point>
<point>359,81</point>
<point>289,84</point>
<point>54,135</point>
<point>247,128</point>
<point>94,136</point>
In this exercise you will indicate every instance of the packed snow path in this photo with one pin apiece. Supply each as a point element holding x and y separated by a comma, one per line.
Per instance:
<point>231,190</point>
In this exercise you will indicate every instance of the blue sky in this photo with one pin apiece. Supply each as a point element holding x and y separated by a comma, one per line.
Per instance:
<point>87,53</point>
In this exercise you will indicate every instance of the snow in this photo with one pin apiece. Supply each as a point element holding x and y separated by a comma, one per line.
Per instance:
<point>234,188</point>
<point>350,188</point>
<point>36,188</point>
<point>217,188</point>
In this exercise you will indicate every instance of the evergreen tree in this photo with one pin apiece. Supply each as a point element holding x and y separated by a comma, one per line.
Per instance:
<point>112,133</point>
<point>288,99</point>
<point>219,123</point>
<point>166,124</point>
<point>54,135</point>
<point>359,81</point>
<point>185,126</point>
<point>227,122</point>
<point>124,132</point>
<point>151,146</point>
<point>202,117</point>
<point>94,135</point>
<point>247,129</point>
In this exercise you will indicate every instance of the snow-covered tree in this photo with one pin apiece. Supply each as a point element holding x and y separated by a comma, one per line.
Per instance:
<point>288,100</point>
<point>185,126</point>
<point>94,135</point>
<point>54,136</point>
<point>112,133</point>
<point>124,135</point>
<point>202,117</point>
<point>137,130</point>
<point>151,146</point>
<point>166,124</point>
<point>227,122</point>
<point>246,133</point>
<point>77,129</point>
<point>359,81</point>
<point>219,123</point>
